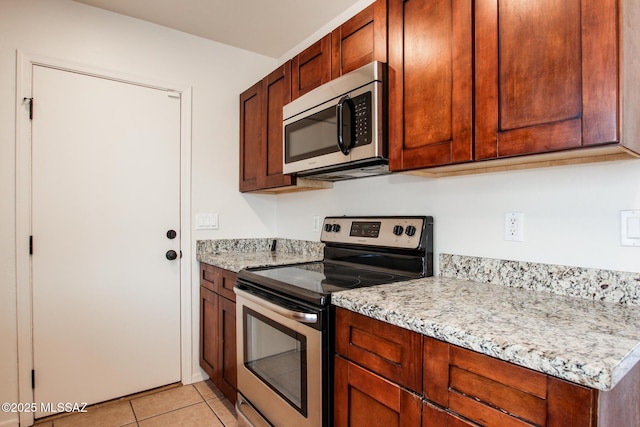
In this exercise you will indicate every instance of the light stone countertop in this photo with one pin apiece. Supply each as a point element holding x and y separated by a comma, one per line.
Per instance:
<point>236,254</point>
<point>582,325</point>
<point>593,343</point>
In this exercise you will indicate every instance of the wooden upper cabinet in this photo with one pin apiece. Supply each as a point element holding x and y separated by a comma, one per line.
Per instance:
<point>261,132</point>
<point>546,75</point>
<point>276,89</point>
<point>251,119</point>
<point>360,40</point>
<point>430,83</point>
<point>311,67</point>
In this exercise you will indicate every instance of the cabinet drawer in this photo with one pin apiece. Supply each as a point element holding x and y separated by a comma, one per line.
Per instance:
<point>218,280</point>
<point>208,277</point>
<point>484,389</point>
<point>432,416</point>
<point>226,283</point>
<point>390,351</point>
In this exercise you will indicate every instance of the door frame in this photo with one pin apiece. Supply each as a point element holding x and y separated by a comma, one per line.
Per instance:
<point>24,65</point>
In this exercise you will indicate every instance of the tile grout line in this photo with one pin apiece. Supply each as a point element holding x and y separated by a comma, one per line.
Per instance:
<point>215,398</point>
<point>215,414</point>
<point>173,410</point>
<point>206,402</point>
<point>188,406</point>
<point>135,417</point>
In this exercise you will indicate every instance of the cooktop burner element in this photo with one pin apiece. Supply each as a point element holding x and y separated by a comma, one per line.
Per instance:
<point>359,252</point>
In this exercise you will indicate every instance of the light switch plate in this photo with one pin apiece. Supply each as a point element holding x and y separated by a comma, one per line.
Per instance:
<point>630,228</point>
<point>206,221</point>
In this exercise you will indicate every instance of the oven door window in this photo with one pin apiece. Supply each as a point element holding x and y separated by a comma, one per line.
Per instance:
<point>278,356</point>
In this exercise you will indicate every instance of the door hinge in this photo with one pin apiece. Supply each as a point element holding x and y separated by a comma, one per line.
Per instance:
<point>30,245</point>
<point>33,379</point>
<point>30,107</point>
<point>173,94</point>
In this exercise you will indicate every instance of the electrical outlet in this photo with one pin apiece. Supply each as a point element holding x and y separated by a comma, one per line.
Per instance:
<point>316,223</point>
<point>513,226</point>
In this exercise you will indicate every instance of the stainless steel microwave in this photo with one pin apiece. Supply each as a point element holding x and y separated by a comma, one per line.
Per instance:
<point>338,130</point>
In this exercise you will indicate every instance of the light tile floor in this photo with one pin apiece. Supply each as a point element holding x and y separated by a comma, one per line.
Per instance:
<point>195,405</point>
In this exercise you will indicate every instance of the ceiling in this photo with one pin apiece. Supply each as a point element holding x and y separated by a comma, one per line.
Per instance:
<point>267,27</point>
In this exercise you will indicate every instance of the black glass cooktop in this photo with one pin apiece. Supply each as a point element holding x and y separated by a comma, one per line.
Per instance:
<point>314,282</point>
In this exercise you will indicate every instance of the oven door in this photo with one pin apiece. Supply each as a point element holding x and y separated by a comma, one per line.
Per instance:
<point>279,362</point>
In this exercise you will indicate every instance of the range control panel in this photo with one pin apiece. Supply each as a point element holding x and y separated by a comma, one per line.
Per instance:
<point>402,232</point>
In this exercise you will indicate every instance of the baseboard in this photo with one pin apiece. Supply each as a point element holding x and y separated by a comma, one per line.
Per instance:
<point>197,377</point>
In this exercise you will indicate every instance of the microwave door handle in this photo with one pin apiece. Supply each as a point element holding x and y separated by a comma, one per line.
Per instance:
<point>340,123</point>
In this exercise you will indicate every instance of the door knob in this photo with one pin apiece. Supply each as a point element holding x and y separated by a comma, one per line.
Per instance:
<point>171,255</point>
<point>171,234</point>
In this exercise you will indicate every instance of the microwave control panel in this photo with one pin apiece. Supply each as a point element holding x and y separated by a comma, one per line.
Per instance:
<point>362,120</point>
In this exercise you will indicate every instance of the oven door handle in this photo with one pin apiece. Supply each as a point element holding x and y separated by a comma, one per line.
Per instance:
<point>247,415</point>
<point>298,316</point>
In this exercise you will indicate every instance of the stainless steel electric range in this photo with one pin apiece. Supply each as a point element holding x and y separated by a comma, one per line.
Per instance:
<point>285,337</point>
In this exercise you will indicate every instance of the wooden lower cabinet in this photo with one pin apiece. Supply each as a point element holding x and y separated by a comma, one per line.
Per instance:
<point>218,328</point>
<point>460,388</point>
<point>226,376</point>
<point>491,392</point>
<point>389,351</point>
<point>208,330</point>
<point>433,416</point>
<point>366,399</point>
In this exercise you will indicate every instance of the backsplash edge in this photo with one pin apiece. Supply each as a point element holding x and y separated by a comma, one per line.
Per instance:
<point>587,283</point>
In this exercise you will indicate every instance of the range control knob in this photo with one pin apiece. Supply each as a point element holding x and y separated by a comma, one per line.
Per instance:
<point>336,228</point>
<point>397,230</point>
<point>327,228</point>
<point>410,231</point>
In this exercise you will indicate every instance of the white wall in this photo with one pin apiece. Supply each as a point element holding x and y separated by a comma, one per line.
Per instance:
<point>73,32</point>
<point>571,213</point>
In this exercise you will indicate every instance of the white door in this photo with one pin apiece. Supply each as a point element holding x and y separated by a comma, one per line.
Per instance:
<point>105,192</point>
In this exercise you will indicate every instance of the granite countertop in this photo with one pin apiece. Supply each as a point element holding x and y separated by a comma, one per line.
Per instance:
<point>579,324</point>
<point>236,254</point>
<point>594,343</point>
